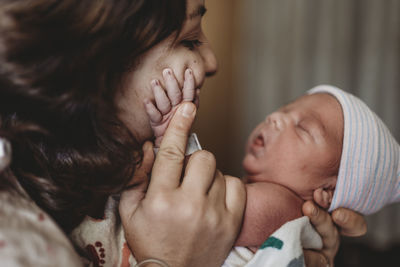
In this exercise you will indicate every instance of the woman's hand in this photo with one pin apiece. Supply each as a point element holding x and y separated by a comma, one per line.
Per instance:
<point>188,216</point>
<point>343,221</point>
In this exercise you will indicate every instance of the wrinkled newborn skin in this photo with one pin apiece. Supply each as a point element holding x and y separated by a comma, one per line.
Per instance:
<point>289,155</point>
<point>268,206</point>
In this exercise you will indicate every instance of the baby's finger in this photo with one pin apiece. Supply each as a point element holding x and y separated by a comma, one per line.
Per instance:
<point>322,198</point>
<point>162,101</point>
<point>188,86</point>
<point>154,114</point>
<point>172,87</point>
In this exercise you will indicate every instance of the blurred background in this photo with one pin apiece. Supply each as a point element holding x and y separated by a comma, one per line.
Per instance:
<point>272,51</point>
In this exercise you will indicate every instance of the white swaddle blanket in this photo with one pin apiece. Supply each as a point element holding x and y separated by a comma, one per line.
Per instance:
<point>284,248</point>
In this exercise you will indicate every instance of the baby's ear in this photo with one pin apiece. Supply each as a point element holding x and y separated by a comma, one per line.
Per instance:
<point>323,197</point>
<point>324,194</point>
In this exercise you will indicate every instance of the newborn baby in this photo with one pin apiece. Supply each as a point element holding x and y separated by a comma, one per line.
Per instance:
<point>327,145</point>
<point>293,153</point>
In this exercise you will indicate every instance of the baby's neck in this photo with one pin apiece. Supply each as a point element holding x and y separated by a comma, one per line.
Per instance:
<point>249,179</point>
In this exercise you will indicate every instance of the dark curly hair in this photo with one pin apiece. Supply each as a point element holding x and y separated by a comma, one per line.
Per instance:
<point>61,64</point>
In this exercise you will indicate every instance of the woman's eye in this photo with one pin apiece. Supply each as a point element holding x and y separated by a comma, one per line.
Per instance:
<point>191,44</point>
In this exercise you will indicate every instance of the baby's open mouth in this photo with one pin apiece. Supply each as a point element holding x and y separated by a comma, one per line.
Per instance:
<point>259,140</point>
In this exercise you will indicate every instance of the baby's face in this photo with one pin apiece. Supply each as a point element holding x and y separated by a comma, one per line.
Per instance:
<point>298,146</point>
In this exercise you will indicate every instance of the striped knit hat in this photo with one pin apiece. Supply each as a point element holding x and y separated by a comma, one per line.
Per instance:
<point>369,173</point>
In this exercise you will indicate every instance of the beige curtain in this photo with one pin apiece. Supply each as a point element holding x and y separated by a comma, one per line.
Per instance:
<point>283,47</point>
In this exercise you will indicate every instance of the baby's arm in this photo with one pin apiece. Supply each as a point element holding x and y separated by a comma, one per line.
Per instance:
<point>268,207</point>
<point>167,100</point>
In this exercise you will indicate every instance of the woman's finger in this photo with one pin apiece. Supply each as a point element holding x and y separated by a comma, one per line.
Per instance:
<point>319,218</point>
<point>322,222</point>
<point>350,222</point>
<point>143,170</point>
<point>199,172</point>
<point>217,190</point>
<point>235,196</point>
<point>168,165</point>
<point>315,258</point>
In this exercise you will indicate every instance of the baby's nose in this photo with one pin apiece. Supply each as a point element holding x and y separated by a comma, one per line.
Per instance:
<point>278,119</point>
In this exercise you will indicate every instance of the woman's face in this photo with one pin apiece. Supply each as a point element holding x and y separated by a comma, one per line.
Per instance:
<point>190,50</point>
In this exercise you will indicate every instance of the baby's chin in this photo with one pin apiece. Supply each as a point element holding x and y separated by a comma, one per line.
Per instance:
<point>251,165</point>
<point>248,164</point>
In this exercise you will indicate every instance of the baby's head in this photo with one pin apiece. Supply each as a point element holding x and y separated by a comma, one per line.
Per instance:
<point>329,140</point>
<point>298,146</point>
<point>369,173</point>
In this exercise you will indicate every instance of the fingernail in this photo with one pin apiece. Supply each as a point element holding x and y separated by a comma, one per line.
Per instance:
<point>167,72</point>
<point>154,83</point>
<point>146,101</point>
<point>187,110</point>
<point>325,197</point>
<point>314,211</point>
<point>146,146</point>
<point>341,216</point>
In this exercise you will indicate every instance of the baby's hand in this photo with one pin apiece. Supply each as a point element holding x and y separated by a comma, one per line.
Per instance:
<point>323,197</point>
<point>166,101</point>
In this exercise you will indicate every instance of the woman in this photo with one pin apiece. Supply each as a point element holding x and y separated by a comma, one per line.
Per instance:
<point>73,75</point>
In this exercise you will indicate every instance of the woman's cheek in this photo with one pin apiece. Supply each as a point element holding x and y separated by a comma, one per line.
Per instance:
<point>196,65</point>
<point>183,60</point>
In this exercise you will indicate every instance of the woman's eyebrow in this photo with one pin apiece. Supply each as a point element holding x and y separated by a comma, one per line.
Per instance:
<point>199,11</point>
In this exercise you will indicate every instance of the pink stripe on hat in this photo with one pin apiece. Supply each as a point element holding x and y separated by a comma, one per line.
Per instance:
<point>369,173</point>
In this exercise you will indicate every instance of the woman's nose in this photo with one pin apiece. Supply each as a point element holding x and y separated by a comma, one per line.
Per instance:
<point>209,59</point>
